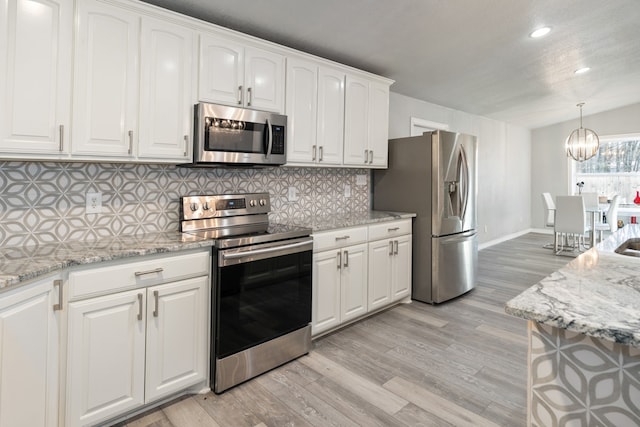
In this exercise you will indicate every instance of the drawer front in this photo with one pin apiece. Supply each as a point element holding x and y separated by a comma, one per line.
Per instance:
<point>134,274</point>
<point>389,229</point>
<point>339,238</point>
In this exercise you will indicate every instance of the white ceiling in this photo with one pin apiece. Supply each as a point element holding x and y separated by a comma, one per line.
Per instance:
<point>470,55</point>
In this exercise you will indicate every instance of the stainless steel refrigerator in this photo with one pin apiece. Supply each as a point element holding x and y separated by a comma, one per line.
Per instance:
<point>434,176</point>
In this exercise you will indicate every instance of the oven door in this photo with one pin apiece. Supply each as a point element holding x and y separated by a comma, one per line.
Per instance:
<point>261,292</point>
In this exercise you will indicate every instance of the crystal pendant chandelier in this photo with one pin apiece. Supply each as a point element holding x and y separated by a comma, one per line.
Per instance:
<point>582,144</point>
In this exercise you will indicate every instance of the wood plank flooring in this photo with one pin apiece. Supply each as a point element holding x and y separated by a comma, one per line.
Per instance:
<point>461,363</point>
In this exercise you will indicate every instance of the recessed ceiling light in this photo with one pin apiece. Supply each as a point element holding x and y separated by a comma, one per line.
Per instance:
<point>542,31</point>
<point>582,70</point>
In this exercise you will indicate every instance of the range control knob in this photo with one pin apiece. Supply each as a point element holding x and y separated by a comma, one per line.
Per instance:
<point>252,203</point>
<point>206,206</point>
<point>263,202</point>
<point>194,207</point>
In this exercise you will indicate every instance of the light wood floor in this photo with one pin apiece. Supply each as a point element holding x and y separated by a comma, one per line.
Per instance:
<point>461,363</point>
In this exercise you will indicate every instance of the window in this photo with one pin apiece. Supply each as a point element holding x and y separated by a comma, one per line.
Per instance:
<point>615,169</point>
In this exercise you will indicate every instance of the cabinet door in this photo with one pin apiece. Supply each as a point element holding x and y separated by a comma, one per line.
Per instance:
<point>380,253</point>
<point>378,123</point>
<point>221,74</point>
<point>35,75</point>
<point>354,282</point>
<point>264,80</point>
<point>176,336</point>
<point>106,80</point>
<point>301,109</point>
<point>105,357</point>
<point>166,95</point>
<point>356,122</point>
<point>326,290</point>
<point>401,269</point>
<point>330,135</point>
<point>29,356</point>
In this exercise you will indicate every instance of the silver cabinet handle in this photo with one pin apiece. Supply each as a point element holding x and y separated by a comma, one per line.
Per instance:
<point>342,238</point>
<point>186,145</point>
<point>130,141</point>
<point>370,156</point>
<point>390,247</point>
<point>313,155</point>
<point>339,256</point>
<point>248,97</point>
<point>58,306</point>
<point>139,306</point>
<point>346,259</point>
<point>393,229</point>
<point>366,156</point>
<point>239,95</point>
<point>321,154</point>
<point>155,298</point>
<point>142,273</point>
<point>395,247</point>
<point>61,130</point>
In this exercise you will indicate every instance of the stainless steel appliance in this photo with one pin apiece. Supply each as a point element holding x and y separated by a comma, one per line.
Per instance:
<point>261,290</point>
<point>434,175</point>
<point>235,136</point>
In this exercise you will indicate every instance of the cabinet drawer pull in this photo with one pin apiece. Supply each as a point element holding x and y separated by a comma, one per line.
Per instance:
<point>346,259</point>
<point>395,247</point>
<point>321,154</point>
<point>61,137</point>
<point>139,306</point>
<point>248,97</point>
<point>155,270</point>
<point>58,306</point>
<point>186,145</point>
<point>342,238</point>
<point>366,156</point>
<point>390,247</point>
<point>339,256</point>
<point>393,229</point>
<point>240,95</point>
<point>155,298</point>
<point>130,141</point>
<point>313,155</point>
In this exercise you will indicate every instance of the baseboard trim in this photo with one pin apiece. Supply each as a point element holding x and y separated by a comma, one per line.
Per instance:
<point>513,236</point>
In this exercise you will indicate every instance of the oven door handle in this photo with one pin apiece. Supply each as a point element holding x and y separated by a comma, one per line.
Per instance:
<point>274,251</point>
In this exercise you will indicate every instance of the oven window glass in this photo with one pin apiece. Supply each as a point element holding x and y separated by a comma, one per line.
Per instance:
<point>234,136</point>
<point>261,300</point>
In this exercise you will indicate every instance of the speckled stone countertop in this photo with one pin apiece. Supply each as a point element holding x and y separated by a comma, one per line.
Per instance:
<point>597,294</point>
<point>325,223</point>
<point>21,264</point>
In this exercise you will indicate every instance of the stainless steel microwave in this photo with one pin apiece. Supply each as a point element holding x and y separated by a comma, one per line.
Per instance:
<point>232,136</point>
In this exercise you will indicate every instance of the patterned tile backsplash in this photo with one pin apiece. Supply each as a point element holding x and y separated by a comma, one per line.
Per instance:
<point>45,202</point>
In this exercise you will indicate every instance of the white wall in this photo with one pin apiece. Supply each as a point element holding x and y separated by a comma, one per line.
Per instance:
<point>504,166</point>
<point>550,166</point>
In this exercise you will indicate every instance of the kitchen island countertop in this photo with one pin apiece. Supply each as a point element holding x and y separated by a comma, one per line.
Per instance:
<point>596,294</point>
<point>18,265</point>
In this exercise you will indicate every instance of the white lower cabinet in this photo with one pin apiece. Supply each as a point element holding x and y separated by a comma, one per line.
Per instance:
<point>389,263</point>
<point>29,334</point>
<point>132,347</point>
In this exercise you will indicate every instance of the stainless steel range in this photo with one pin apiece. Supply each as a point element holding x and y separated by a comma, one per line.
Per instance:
<point>261,287</point>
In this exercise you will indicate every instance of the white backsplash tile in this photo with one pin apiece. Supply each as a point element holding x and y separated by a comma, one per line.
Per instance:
<point>44,202</point>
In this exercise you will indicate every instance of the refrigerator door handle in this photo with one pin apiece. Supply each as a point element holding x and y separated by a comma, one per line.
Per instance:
<point>463,185</point>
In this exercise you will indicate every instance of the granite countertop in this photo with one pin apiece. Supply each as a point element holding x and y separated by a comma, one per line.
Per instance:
<point>21,264</point>
<point>325,223</point>
<point>597,294</point>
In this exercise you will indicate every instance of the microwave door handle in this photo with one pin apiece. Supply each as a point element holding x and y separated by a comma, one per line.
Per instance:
<point>269,139</point>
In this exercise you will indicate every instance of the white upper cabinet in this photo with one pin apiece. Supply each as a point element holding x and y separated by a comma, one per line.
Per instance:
<point>167,88</point>
<point>366,129</point>
<point>240,75</point>
<point>35,76</point>
<point>106,91</point>
<point>330,136</point>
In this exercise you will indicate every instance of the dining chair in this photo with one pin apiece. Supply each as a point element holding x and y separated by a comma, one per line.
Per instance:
<point>570,220</point>
<point>549,216</point>
<point>612,218</point>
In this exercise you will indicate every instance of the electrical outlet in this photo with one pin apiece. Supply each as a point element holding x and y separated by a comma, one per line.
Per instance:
<point>292,195</point>
<point>486,229</point>
<point>361,179</point>
<point>93,203</point>
<point>347,190</point>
